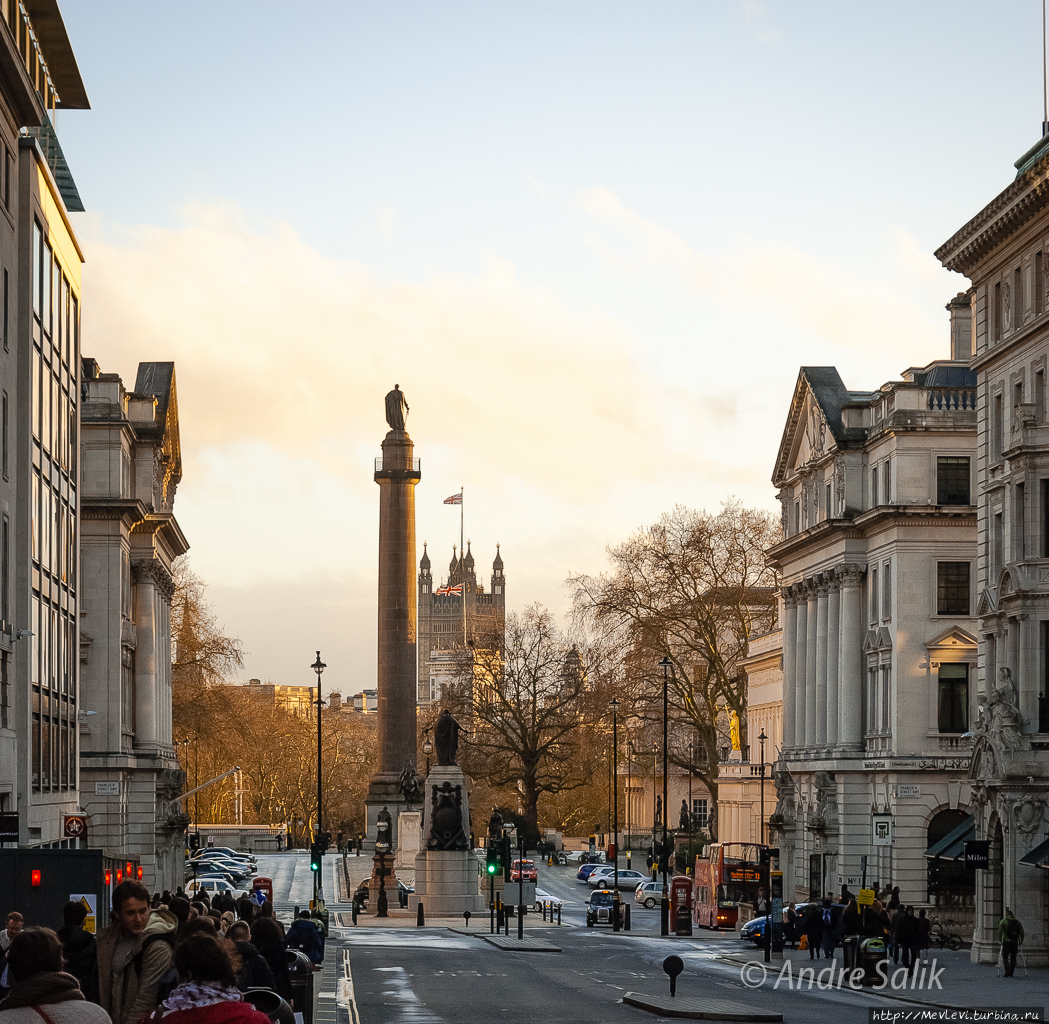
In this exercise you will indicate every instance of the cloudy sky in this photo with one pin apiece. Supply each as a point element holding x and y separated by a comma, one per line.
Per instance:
<point>592,242</point>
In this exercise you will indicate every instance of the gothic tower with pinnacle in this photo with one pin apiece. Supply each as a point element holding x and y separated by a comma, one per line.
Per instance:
<point>444,631</point>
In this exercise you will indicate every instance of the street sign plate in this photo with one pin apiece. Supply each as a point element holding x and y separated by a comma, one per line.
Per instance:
<point>865,898</point>
<point>107,789</point>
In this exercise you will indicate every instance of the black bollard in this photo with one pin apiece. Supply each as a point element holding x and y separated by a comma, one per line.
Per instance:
<point>559,913</point>
<point>355,910</point>
<point>673,966</point>
<point>467,915</point>
<point>626,917</point>
<point>544,910</point>
<point>420,917</point>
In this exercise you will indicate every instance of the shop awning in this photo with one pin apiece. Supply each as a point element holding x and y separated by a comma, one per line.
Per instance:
<point>952,845</point>
<point>1038,857</point>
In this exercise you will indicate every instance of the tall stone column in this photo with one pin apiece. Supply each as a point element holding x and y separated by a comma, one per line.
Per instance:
<point>821,664</point>
<point>146,709</point>
<point>790,683</point>
<point>833,656</point>
<point>800,657</point>
<point>850,663</point>
<point>811,642</point>
<point>396,473</point>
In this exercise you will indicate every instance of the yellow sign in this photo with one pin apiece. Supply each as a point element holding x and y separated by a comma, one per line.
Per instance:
<point>89,901</point>
<point>865,898</point>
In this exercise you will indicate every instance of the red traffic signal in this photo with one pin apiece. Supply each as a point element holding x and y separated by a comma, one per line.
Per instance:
<point>34,877</point>
<point>109,876</point>
<point>138,873</point>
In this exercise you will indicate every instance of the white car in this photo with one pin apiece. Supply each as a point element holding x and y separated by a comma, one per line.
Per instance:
<point>213,886</point>
<point>542,896</point>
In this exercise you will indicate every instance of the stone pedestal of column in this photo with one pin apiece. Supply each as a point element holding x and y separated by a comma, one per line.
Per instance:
<point>409,842</point>
<point>446,880</point>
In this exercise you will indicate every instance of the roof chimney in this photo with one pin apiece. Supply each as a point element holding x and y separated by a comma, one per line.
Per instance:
<point>961,310</point>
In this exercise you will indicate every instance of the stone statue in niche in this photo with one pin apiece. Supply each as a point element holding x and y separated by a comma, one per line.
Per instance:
<point>446,819</point>
<point>784,814</point>
<point>659,810</point>
<point>1004,726</point>
<point>1007,306</point>
<point>826,799</point>
<point>839,483</point>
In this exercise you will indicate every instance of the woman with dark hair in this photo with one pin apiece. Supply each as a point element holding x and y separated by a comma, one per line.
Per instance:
<point>79,949</point>
<point>207,991</point>
<point>34,964</point>
<point>268,939</point>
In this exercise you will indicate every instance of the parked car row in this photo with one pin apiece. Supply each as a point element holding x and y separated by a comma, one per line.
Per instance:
<point>222,864</point>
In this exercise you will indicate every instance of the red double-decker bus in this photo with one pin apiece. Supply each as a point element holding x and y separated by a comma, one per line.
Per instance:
<point>728,876</point>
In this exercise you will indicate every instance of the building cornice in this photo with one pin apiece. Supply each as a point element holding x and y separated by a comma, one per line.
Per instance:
<point>999,220</point>
<point>861,526</point>
<point>129,511</point>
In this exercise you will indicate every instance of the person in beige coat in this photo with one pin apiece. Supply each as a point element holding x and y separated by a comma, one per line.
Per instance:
<point>135,953</point>
<point>40,990</point>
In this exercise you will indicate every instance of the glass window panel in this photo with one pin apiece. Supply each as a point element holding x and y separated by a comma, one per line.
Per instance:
<point>36,392</point>
<point>35,512</point>
<point>952,588</point>
<point>45,286</point>
<point>38,259</point>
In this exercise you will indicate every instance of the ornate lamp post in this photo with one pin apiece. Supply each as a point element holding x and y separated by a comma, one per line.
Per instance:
<point>664,906</point>
<point>428,749</point>
<point>318,666</point>
<point>382,847</point>
<point>616,908</point>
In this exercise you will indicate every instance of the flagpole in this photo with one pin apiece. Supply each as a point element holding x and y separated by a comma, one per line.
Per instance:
<point>462,554</point>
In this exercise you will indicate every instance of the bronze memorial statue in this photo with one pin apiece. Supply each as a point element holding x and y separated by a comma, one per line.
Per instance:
<point>683,817</point>
<point>409,784</point>
<point>446,738</point>
<point>396,408</point>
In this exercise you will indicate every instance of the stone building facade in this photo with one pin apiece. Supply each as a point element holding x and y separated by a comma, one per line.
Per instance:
<point>40,261</point>
<point>131,465</point>
<point>1004,251</point>
<point>740,784</point>
<point>879,624</point>
<point>445,627</point>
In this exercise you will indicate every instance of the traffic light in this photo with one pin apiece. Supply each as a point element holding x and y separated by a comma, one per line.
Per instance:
<point>492,858</point>
<point>316,852</point>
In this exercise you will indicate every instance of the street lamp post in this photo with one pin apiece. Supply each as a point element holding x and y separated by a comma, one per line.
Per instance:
<point>382,846</point>
<point>761,775</point>
<point>664,906</point>
<point>428,749</point>
<point>318,888</point>
<point>616,902</point>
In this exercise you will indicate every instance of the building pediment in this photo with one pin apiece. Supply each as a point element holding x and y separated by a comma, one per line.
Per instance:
<point>988,603</point>
<point>814,425</point>
<point>1014,580</point>
<point>954,638</point>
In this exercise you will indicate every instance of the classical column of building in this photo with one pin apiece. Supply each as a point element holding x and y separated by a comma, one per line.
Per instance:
<point>801,660</point>
<point>790,682</point>
<point>850,660</point>
<point>822,635</point>
<point>833,657</point>
<point>811,649</point>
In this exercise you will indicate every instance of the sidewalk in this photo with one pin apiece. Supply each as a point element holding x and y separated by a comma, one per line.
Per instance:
<point>965,985</point>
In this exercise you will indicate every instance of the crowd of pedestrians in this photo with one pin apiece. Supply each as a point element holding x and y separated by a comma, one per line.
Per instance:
<point>822,926</point>
<point>164,958</point>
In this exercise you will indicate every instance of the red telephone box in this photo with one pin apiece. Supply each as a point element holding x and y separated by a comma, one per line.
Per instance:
<point>265,884</point>
<point>681,904</point>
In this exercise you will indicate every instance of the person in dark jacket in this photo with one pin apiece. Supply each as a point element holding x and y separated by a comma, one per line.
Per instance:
<point>304,935</point>
<point>812,925</point>
<point>925,933</point>
<point>908,938</point>
<point>78,949</point>
<point>254,972</point>
<point>268,939</point>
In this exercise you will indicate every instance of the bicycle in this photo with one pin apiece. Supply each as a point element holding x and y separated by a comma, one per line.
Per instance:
<point>941,934</point>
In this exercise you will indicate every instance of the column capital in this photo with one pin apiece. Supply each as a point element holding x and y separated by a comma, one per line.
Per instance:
<point>850,573</point>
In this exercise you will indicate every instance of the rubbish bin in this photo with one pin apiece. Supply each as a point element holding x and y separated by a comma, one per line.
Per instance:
<point>302,975</point>
<point>872,952</point>
<point>849,950</point>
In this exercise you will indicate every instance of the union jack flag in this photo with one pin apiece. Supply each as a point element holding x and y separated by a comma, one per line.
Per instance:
<point>455,499</point>
<point>457,590</point>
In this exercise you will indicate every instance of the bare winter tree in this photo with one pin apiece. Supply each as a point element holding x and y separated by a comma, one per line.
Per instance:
<point>523,701</point>
<point>694,588</point>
